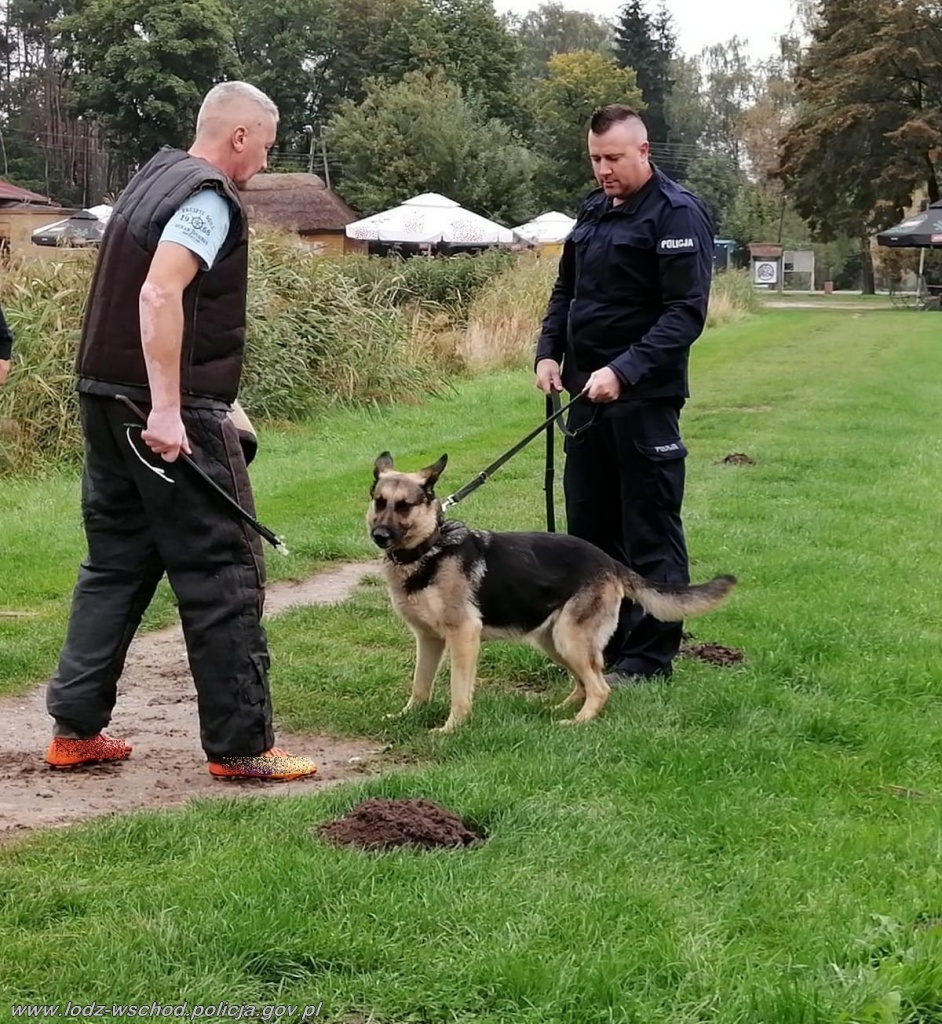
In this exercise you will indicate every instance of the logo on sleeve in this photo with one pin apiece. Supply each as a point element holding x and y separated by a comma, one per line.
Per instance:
<point>669,246</point>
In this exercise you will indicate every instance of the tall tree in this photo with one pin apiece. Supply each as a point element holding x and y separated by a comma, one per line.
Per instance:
<point>646,43</point>
<point>279,45</point>
<point>686,105</point>
<point>865,137</point>
<point>386,39</point>
<point>365,38</point>
<point>44,146</point>
<point>562,105</point>
<point>746,107</point>
<point>729,89</point>
<point>422,135</point>
<point>766,121</point>
<point>483,57</point>
<point>552,29</point>
<point>142,67</point>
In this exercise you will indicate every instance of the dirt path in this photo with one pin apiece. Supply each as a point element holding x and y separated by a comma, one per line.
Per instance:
<point>167,767</point>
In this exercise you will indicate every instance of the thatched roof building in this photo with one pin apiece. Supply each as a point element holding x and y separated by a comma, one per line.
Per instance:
<point>302,204</point>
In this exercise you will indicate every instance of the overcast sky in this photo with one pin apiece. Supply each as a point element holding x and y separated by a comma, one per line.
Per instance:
<point>699,23</point>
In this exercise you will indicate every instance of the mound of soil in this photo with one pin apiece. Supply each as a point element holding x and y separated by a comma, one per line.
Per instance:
<point>738,459</point>
<point>713,654</point>
<point>381,824</point>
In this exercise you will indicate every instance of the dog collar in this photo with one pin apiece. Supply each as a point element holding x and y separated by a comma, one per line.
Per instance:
<point>416,554</point>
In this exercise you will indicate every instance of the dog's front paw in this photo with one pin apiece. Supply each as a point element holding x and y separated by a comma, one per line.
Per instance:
<point>584,716</point>
<point>450,726</point>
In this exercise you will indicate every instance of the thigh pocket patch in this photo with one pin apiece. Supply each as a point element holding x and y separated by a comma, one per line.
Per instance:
<point>663,469</point>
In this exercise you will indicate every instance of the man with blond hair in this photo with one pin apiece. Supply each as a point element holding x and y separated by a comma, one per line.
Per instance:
<point>165,326</point>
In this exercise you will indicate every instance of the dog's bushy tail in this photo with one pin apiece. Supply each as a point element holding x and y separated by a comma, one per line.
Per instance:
<point>671,602</point>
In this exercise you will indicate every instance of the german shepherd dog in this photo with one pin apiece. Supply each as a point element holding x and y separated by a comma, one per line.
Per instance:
<point>456,587</point>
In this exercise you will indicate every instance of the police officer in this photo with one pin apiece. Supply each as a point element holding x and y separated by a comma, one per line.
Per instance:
<point>630,299</point>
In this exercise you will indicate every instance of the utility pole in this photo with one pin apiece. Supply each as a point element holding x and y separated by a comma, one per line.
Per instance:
<point>309,131</point>
<point>84,124</point>
<point>324,155</point>
<point>315,131</point>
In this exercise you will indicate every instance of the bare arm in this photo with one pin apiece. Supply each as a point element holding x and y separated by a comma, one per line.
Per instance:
<point>161,312</point>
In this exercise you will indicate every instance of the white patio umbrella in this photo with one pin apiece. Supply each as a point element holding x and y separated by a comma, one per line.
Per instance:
<point>547,228</point>
<point>428,219</point>
<point>102,211</point>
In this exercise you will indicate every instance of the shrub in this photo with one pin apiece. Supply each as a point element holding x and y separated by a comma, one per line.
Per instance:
<point>321,331</point>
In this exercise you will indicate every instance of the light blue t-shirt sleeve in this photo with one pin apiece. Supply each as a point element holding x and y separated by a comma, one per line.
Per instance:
<point>200,225</point>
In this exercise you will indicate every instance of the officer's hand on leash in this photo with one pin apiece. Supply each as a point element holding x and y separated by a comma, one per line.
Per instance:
<point>603,386</point>
<point>548,379</point>
<point>4,369</point>
<point>165,434</point>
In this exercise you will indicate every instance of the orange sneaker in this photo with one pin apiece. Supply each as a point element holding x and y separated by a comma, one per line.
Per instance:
<point>275,765</point>
<point>66,753</point>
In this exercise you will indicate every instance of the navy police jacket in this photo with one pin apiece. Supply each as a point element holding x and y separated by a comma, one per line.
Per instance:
<point>632,290</point>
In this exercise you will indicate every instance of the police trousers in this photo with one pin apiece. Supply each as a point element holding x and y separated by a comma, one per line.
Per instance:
<point>624,487</point>
<point>144,517</point>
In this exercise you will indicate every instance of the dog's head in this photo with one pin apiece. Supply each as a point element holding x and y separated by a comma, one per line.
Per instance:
<point>404,512</point>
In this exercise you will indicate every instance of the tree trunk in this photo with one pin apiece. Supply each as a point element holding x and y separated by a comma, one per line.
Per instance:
<point>868,286</point>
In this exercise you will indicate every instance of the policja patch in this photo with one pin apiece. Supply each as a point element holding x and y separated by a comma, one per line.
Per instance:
<point>668,246</point>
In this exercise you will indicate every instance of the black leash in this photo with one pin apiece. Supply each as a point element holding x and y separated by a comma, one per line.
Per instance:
<point>554,411</point>
<point>233,505</point>
<point>552,404</point>
<point>485,474</point>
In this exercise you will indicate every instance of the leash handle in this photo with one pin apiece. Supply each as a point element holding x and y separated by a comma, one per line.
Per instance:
<point>240,512</point>
<point>486,473</point>
<point>552,401</point>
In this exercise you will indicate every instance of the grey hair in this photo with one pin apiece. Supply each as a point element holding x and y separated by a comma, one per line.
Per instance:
<point>228,92</point>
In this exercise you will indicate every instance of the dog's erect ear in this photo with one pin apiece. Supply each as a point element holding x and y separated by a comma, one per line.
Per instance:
<point>431,473</point>
<point>383,464</point>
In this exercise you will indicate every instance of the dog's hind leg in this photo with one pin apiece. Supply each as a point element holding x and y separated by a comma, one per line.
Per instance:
<point>579,638</point>
<point>590,684</point>
<point>543,641</point>
<point>577,696</point>
<point>464,644</point>
<point>429,649</point>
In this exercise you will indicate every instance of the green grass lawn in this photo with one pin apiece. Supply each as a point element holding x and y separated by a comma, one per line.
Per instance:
<point>758,845</point>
